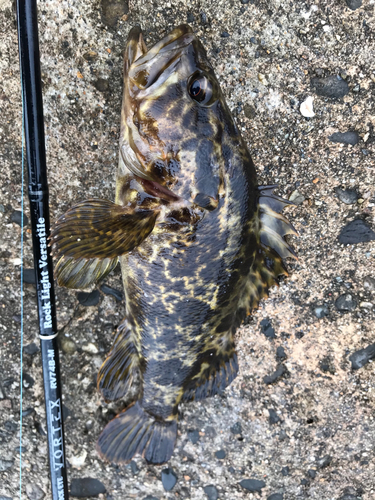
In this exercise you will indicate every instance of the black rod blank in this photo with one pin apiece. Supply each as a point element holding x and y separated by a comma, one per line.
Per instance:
<point>40,223</point>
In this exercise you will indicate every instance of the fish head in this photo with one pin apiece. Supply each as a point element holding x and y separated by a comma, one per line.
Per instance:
<point>173,118</point>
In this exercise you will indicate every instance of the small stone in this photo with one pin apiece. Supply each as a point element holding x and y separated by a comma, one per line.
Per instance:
<point>276,496</point>
<point>349,137</point>
<point>86,487</point>
<point>285,471</point>
<point>2,497</point>
<point>90,55</point>
<point>29,276</point>
<point>331,86</point>
<point>30,349</point>
<point>211,492</point>
<point>306,107</point>
<point>34,492</point>
<point>252,485</point>
<point>280,353</point>
<point>347,196</point>
<point>236,428</point>
<point>273,417</point>
<point>311,473</point>
<point>276,375</point>
<point>253,40</point>
<point>321,311</point>
<point>366,305</point>
<point>67,345</point>
<point>16,217</point>
<point>267,329</point>
<point>149,497</point>
<point>354,4</point>
<point>327,366</point>
<point>88,299</point>
<point>117,294</point>
<point>346,302</point>
<point>363,356</point>
<point>203,17</point>
<point>190,18</point>
<point>101,84</point>
<point>193,435</point>
<point>27,412</point>
<point>249,111</point>
<point>28,380</point>
<point>304,482</point>
<point>369,283</point>
<point>296,197</point>
<point>224,34</point>
<point>324,461</point>
<point>245,2</point>
<point>357,231</point>
<point>134,467</point>
<point>90,348</point>
<point>112,11</point>
<point>220,454</point>
<point>168,479</point>
<point>5,464</point>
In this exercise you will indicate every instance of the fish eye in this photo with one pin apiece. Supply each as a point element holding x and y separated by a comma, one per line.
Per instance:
<point>201,89</point>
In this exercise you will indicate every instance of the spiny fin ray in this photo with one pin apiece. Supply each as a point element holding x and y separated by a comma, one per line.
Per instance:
<point>82,273</point>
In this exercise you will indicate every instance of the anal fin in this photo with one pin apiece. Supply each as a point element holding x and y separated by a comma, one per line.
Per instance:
<point>213,378</point>
<point>82,273</point>
<point>122,366</point>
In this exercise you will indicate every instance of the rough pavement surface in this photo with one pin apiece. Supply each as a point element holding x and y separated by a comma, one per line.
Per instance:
<point>266,53</point>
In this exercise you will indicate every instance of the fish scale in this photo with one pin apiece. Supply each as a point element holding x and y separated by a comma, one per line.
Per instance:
<point>199,242</point>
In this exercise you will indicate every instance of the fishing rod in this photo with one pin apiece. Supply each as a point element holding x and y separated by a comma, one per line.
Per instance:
<point>28,42</point>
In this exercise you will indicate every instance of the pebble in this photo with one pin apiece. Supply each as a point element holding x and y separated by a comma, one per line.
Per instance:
<point>203,17</point>
<point>236,428</point>
<point>273,417</point>
<point>267,329</point>
<point>88,299</point>
<point>16,217</point>
<point>345,302</point>
<point>276,496</point>
<point>30,349</point>
<point>29,276</point>
<point>363,356</point>
<point>134,467</point>
<point>324,461</point>
<point>211,492</point>
<point>86,487</point>
<point>280,353</point>
<point>311,473</point>
<point>27,412</point>
<point>331,86</point>
<point>347,196</point>
<point>306,107</point>
<point>354,4</point>
<point>2,497</point>
<point>117,294</point>
<point>67,345</point>
<point>113,11</point>
<point>34,492</point>
<point>349,137</point>
<point>149,497</point>
<point>321,311</point>
<point>296,197</point>
<point>276,375</point>
<point>369,283</point>
<point>101,84</point>
<point>28,380</point>
<point>224,34</point>
<point>357,231</point>
<point>285,471</point>
<point>5,464</point>
<point>90,348</point>
<point>193,435</point>
<point>168,479</point>
<point>253,485</point>
<point>245,2</point>
<point>327,366</point>
<point>220,454</point>
<point>190,18</point>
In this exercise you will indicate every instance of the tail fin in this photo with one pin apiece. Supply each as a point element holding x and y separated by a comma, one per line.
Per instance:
<point>135,431</point>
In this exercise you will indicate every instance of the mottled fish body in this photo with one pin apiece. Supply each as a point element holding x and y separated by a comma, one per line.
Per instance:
<point>199,244</point>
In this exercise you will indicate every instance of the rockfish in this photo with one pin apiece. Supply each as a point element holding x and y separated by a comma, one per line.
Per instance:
<point>199,242</point>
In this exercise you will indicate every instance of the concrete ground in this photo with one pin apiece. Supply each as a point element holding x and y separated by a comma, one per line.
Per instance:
<point>311,433</point>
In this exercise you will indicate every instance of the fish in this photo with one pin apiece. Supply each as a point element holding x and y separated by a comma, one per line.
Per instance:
<point>199,241</point>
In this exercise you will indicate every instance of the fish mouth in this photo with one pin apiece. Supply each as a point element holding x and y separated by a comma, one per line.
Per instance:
<point>146,68</point>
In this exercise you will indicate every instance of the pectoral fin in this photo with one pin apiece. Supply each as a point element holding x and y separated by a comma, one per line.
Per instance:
<point>100,229</point>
